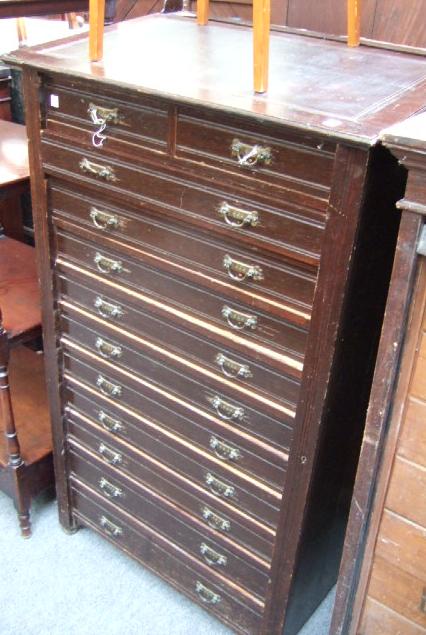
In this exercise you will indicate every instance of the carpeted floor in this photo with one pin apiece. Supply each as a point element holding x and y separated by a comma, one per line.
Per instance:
<point>55,584</point>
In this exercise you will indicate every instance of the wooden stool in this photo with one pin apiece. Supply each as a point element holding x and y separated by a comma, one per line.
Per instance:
<point>14,176</point>
<point>26,466</point>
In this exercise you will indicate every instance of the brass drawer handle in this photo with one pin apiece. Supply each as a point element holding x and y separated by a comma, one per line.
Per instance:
<point>240,271</point>
<point>238,320</point>
<point>250,155</point>
<point>233,369</point>
<point>226,410</point>
<point>212,557</point>
<point>100,114</point>
<point>206,595</point>
<point>107,309</point>
<point>108,423</point>
<point>104,172</point>
<point>219,488</point>
<point>110,528</point>
<point>103,220</point>
<point>111,456</point>
<point>214,521</point>
<point>107,265</point>
<point>237,217</point>
<point>109,490</point>
<point>108,388</point>
<point>223,450</point>
<point>108,350</point>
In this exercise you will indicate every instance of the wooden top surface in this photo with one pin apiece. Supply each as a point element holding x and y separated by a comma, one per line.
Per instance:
<point>13,153</point>
<point>410,133</point>
<point>314,84</point>
<point>19,289</point>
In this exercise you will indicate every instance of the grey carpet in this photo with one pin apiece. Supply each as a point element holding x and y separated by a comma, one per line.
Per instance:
<point>55,584</point>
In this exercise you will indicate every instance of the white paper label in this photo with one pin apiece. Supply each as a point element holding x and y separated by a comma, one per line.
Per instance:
<point>54,101</point>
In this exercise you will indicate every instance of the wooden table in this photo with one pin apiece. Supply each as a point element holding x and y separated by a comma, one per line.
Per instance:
<point>14,176</point>
<point>27,8</point>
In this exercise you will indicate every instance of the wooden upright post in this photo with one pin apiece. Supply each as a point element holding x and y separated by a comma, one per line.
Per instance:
<point>22,32</point>
<point>96,33</point>
<point>13,452</point>
<point>354,15</point>
<point>202,12</point>
<point>261,26</point>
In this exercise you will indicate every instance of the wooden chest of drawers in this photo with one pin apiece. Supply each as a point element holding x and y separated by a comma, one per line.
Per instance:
<point>214,270</point>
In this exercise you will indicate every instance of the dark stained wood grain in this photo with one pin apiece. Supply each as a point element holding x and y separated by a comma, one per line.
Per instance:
<point>19,291</point>
<point>370,82</point>
<point>330,18</point>
<point>38,195</point>
<point>400,21</point>
<point>27,8</point>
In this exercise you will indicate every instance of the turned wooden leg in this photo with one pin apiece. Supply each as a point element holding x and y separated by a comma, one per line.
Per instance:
<point>23,508</point>
<point>13,451</point>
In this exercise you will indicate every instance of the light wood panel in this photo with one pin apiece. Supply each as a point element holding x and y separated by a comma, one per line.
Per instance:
<point>379,620</point>
<point>407,491</point>
<point>418,388</point>
<point>413,436</point>
<point>403,543</point>
<point>397,590</point>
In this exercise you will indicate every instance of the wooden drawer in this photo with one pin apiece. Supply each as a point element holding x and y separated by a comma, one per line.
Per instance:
<point>292,232</point>
<point>156,379</point>
<point>188,532</point>
<point>272,342</point>
<point>158,339</point>
<point>247,494</point>
<point>226,600</point>
<point>220,267</point>
<point>144,123</point>
<point>275,157</point>
<point>183,426</point>
<point>191,385</point>
<point>169,483</point>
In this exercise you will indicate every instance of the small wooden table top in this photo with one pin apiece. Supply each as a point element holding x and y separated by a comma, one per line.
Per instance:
<point>27,8</point>
<point>13,153</point>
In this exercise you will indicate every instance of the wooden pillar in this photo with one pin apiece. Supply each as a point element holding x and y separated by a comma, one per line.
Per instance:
<point>96,34</point>
<point>202,12</point>
<point>261,26</point>
<point>354,22</point>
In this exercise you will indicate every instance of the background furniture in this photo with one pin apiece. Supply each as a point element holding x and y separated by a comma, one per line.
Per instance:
<point>5,93</point>
<point>14,177</point>
<point>382,581</point>
<point>26,466</point>
<point>27,8</point>
<point>385,23</point>
<point>210,261</point>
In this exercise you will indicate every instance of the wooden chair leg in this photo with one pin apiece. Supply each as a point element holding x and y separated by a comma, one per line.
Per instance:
<point>96,33</point>
<point>72,20</point>
<point>6,413</point>
<point>261,27</point>
<point>13,452</point>
<point>22,31</point>
<point>23,508</point>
